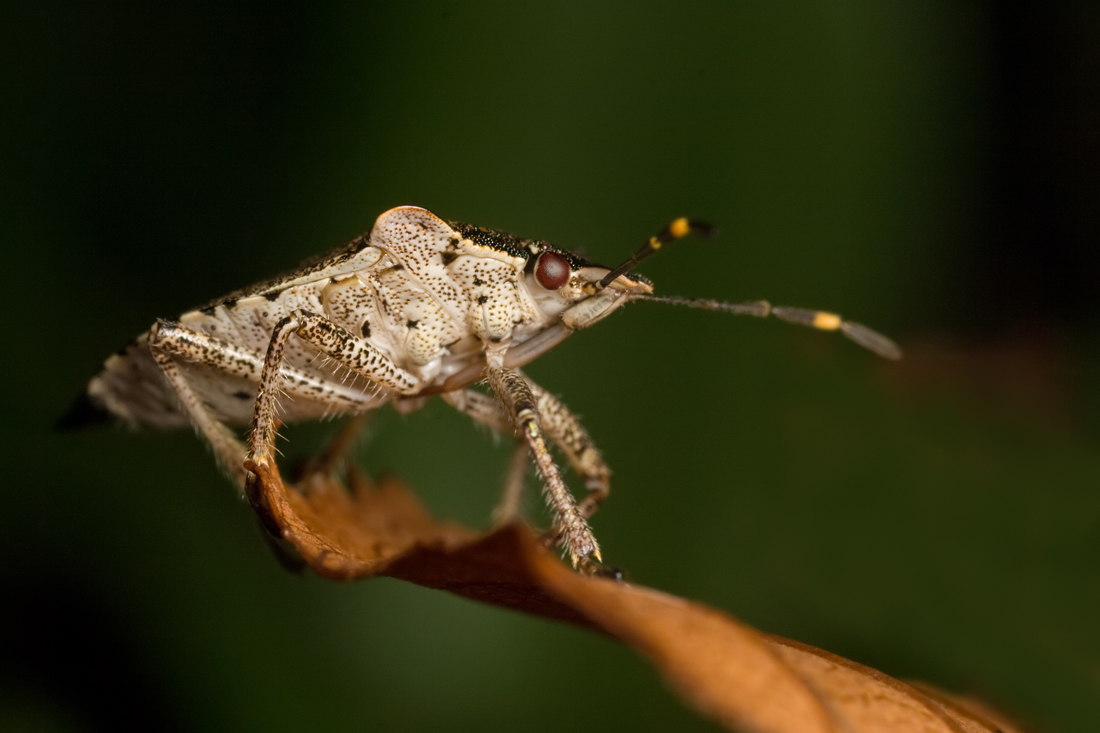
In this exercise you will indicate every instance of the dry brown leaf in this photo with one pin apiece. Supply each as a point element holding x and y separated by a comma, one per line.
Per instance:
<point>728,671</point>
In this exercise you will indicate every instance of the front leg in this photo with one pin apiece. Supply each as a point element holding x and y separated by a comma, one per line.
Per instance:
<point>517,397</point>
<point>573,440</point>
<point>561,425</point>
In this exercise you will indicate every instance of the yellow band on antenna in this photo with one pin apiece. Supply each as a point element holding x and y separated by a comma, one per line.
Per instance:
<point>826,321</point>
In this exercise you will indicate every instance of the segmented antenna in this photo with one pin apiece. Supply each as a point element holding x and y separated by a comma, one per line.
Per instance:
<point>820,320</point>
<point>679,228</point>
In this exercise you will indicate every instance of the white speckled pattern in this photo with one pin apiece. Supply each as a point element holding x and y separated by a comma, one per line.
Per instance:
<point>418,289</point>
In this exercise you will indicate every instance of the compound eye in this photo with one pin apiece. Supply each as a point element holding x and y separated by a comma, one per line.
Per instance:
<point>552,270</point>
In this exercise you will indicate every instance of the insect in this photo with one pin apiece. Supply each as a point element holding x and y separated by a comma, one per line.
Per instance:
<point>417,307</point>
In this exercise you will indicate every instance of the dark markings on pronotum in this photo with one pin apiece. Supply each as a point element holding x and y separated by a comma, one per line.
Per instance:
<point>398,267</point>
<point>412,324</point>
<point>478,282</point>
<point>273,295</point>
<point>500,241</point>
<point>453,242</point>
<point>366,329</point>
<point>448,258</point>
<point>482,299</point>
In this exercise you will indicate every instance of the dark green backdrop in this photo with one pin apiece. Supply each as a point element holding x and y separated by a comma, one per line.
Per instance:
<point>926,168</point>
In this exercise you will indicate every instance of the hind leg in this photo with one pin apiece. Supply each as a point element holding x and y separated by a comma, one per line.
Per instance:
<point>171,344</point>
<point>228,449</point>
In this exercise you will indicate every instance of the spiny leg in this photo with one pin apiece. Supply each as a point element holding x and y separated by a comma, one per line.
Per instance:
<point>200,348</point>
<point>227,448</point>
<point>347,349</point>
<point>341,345</point>
<point>484,408</point>
<point>566,431</point>
<point>562,427</point>
<point>171,343</point>
<point>517,397</point>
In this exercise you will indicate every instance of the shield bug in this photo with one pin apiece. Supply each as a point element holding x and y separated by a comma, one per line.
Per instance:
<point>416,308</point>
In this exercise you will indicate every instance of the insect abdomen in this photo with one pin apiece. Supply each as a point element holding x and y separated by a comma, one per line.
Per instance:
<point>131,387</point>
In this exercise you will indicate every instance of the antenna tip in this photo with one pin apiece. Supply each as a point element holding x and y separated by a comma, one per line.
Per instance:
<point>702,229</point>
<point>871,340</point>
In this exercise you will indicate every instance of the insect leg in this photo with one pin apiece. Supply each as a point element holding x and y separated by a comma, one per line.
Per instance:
<point>170,343</point>
<point>560,425</point>
<point>193,346</point>
<point>517,397</point>
<point>226,446</point>
<point>481,407</point>
<point>347,349</point>
<point>489,412</point>
<point>566,431</point>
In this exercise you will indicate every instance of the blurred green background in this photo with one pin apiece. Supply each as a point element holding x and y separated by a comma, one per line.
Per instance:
<point>926,168</point>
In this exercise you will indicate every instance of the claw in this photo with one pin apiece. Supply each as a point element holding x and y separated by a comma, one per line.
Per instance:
<point>596,568</point>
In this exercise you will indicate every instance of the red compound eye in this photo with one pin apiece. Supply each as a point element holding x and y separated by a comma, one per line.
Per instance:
<point>552,270</point>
